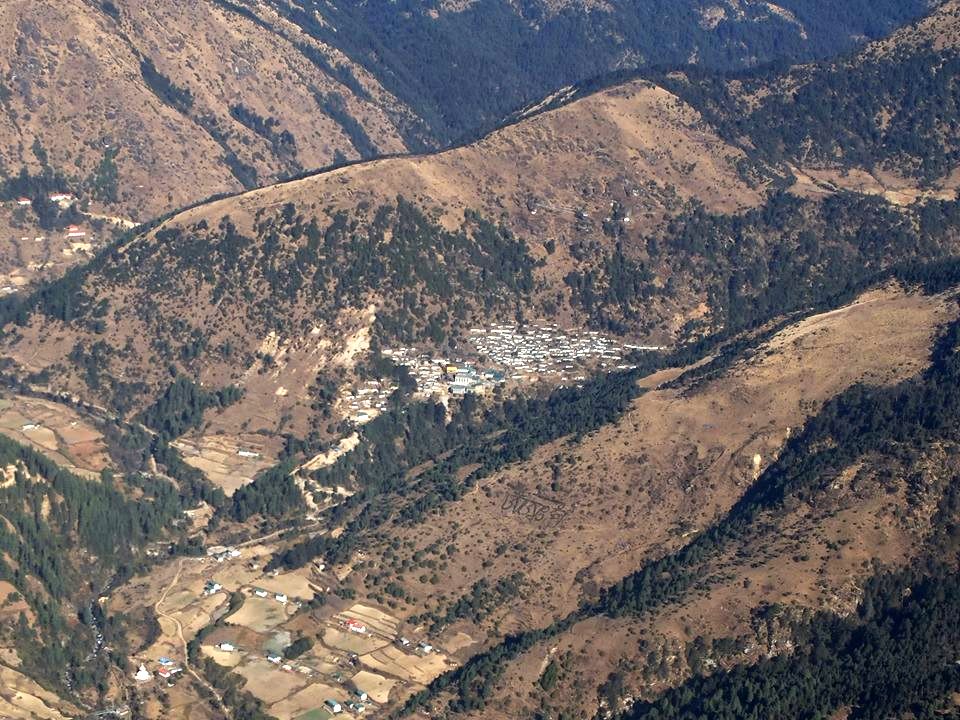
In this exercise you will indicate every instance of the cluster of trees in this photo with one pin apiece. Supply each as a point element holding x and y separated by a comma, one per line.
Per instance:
<point>49,515</point>
<point>38,188</point>
<point>291,264</point>
<point>901,110</point>
<point>104,182</point>
<point>789,255</point>
<point>96,513</point>
<point>182,405</point>
<point>179,98</point>
<point>273,493</point>
<point>896,657</point>
<point>29,185</point>
<point>483,599</point>
<point>283,143</point>
<point>613,293</point>
<point>335,107</point>
<point>792,254</point>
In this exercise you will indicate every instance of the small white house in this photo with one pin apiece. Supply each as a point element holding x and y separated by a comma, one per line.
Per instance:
<point>281,598</point>
<point>275,659</point>
<point>260,593</point>
<point>226,647</point>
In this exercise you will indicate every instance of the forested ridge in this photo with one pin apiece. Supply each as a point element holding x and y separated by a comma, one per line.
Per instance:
<point>788,254</point>
<point>463,71</point>
<point>291,275</point>
<point>431,284</point>
<point>863,419</point>
<point>182,405</point>
<point>895,657</point>
<point>899,111</point>
<point>895,109</point>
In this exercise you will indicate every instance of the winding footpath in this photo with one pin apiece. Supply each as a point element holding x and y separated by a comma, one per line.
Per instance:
<point>186,658</point>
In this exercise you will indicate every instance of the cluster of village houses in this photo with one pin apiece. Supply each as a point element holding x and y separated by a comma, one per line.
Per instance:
<point>63,199</point>
<point>221,553</point>
<point>502,353</point>
<point>440,375</point>
<point>79,243</point>
<point>537,350</point>
<point>369,400</point>
<point>357,696</point>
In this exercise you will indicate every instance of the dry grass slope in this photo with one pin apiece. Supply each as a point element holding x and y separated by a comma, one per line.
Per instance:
<point>75,84</point>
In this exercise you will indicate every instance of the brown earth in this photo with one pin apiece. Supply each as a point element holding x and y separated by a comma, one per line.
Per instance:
<point>58,431</point>
<point>635,136</point>
<point>75,85</point>
<point>815,556</point>
<point>23,699</point>
<point>678,459</point>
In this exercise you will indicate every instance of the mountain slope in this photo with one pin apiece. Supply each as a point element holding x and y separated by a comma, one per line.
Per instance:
<point>623,210</point>
<point>145,107</point>
<point>445,553</point>
<point>184,99</point>
<point>271,275</point>
<point>565,546</point>
<point>871,474</point>
<point>466,65</point>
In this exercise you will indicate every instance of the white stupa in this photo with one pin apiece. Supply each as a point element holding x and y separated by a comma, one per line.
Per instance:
<point>142,675</point>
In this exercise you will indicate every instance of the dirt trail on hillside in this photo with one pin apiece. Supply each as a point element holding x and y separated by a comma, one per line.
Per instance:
<point>186,658</point>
